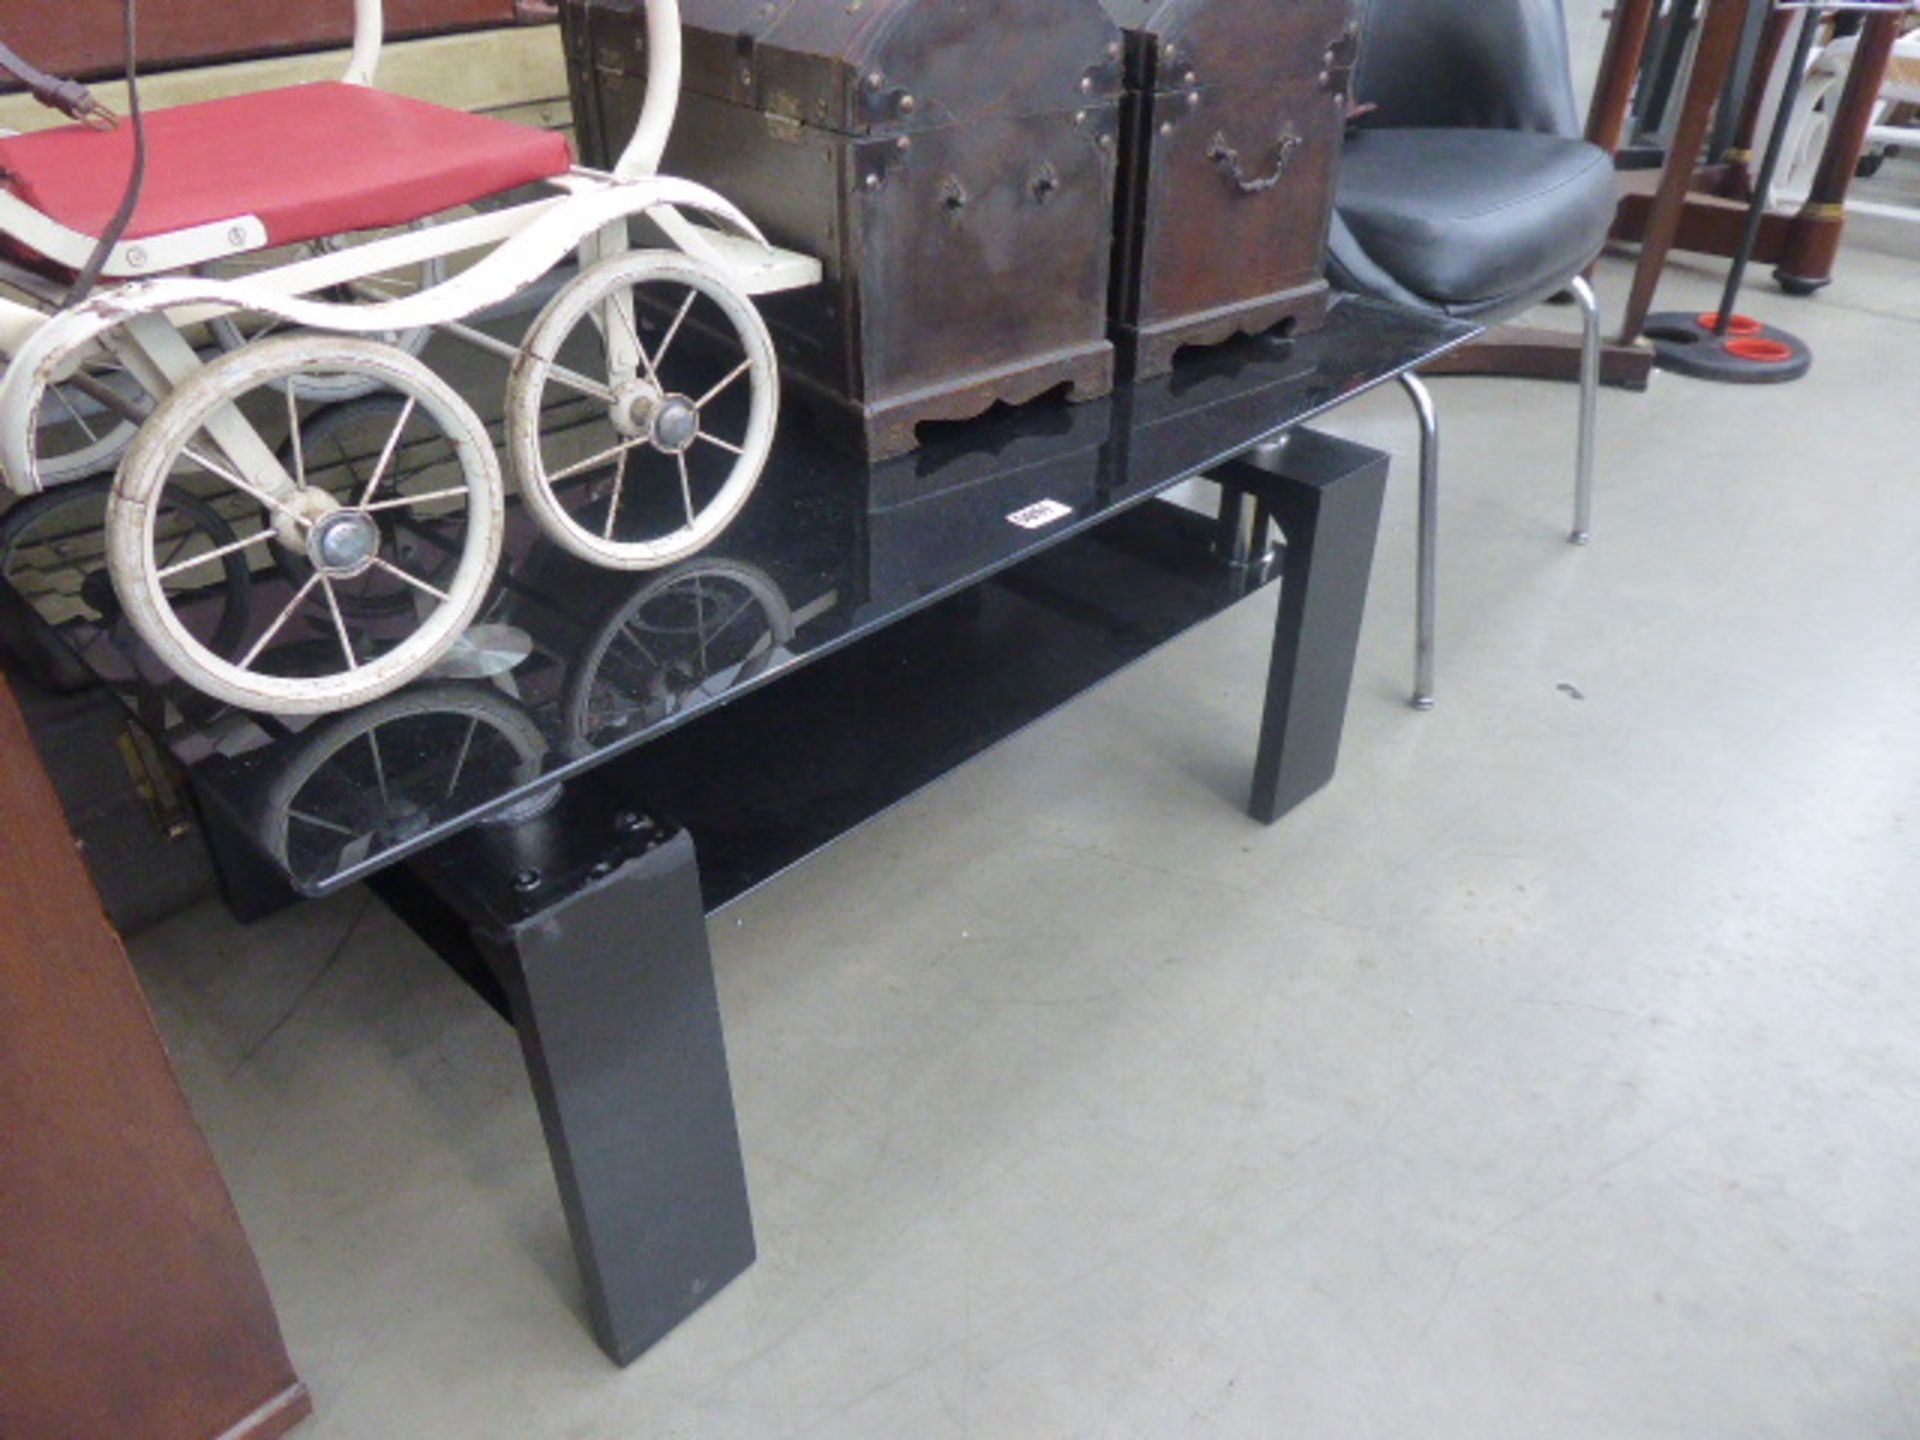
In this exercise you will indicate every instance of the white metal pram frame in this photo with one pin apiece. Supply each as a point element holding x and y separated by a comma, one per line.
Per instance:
<point>196,426</point>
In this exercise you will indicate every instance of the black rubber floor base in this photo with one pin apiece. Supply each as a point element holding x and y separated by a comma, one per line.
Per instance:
<point>1750,354</point>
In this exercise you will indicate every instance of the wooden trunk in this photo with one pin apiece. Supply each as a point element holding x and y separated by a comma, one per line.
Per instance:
<point>1234,118</point>
<point>951,162</point>
<point>87,40</point>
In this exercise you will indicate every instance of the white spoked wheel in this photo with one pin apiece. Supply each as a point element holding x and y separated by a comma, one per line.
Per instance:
<point>435,475</point>
<point>233,331</point>
<point>342,443</point>
<point>1807,137</point>
<point>641,410</point>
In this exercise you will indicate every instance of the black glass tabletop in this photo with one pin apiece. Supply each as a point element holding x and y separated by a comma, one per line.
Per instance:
<point>568,666</point>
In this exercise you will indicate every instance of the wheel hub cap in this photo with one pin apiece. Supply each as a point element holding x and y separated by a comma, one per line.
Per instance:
<point>676,424</point>
<point>669,423</point>
<point>344,543</point>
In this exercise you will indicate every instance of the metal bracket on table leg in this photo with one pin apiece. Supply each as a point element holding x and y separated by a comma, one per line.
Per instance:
<point>1245,535</point>
<point>1326,495</point>
<point>592,921</point>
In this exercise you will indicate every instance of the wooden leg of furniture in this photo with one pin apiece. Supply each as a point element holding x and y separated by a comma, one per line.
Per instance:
<point>1619,73</point>
<point>1709,224</point>
<point>1526,352</point>
<point>1719,41</point>
<point>1675,37</point>
<point>1737,183</point>
<point>1814,238</point>
<point>1619,78</point>
<point>1710,218</point>
<point>1724,131</point>
<point>130,1301</point>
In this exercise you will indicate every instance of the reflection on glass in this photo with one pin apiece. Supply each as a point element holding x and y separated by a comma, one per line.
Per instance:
<point>53,552</point>
<point>370,781</point>
<point>689,635</point>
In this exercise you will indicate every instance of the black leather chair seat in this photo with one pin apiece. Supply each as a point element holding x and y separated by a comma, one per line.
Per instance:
<point>1473,221</point>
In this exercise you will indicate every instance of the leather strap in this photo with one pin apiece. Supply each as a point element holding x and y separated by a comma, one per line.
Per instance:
<point>69,97</point>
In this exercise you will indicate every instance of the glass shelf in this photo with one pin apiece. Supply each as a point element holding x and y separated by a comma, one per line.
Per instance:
<point>570,667</point>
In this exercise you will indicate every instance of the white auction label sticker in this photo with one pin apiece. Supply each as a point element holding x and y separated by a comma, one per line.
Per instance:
<point>1039,517</point>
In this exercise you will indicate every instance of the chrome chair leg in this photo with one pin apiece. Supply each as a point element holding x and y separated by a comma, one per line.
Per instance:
<point>1429,576</point>
<point>1590,344</point>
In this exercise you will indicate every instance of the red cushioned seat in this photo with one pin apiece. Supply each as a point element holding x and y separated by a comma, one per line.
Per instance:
<point>309,161</point>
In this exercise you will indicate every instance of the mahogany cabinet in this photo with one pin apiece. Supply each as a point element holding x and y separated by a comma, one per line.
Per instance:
<point>130,1301</point>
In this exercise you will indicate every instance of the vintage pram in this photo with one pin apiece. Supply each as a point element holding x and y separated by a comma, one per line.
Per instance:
<point>354,225</point>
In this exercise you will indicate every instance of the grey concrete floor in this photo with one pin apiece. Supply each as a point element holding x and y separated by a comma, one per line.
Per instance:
<point>1555,1074</point>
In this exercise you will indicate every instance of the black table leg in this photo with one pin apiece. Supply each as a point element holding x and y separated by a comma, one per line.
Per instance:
<point>251,885</point>
<point>593,924</point>
<point>1326,495</point>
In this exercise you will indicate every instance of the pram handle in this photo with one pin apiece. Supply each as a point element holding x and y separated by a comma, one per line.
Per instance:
<point>649,143</point>
<point>369,29</point>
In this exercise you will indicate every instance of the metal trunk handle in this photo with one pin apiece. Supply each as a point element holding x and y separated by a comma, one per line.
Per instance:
<point>1228,159</point>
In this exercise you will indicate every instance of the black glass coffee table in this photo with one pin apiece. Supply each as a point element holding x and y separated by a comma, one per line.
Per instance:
<point>608,759</point>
